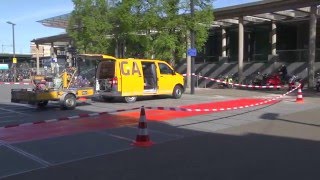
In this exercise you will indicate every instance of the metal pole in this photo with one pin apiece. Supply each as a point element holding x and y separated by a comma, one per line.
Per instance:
<point>312,45</point>
<point>38,59</point>
<point>14,52</point>
<point>192,40</point>
<point>14,45</point>
<point>240,50</point>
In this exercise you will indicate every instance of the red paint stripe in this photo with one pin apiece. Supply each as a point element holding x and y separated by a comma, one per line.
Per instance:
<point>83,115</point>
<point>63,119</point>
<point>62,128</point>
<point>11,125</point>
<point>39,122</point>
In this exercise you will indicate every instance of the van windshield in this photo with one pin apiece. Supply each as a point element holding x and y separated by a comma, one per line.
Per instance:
<point>106,69</point>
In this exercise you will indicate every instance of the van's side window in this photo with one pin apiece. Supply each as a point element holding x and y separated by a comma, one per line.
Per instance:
<point>165,69</point>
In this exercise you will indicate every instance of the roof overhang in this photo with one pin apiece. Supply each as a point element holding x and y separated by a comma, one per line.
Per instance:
<point>59,40</point>
<point>255,12</point>
<point>57,21</point>
<point>267,10</point>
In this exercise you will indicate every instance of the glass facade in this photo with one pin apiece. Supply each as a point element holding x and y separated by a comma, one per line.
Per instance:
<point>292,43</point>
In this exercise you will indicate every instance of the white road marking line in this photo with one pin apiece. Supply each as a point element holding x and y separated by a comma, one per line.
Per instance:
<point>17,112</point>
<point>121,137</point>
<point>26,154</point>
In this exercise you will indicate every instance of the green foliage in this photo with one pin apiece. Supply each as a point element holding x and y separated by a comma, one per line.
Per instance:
<point>89,26</point>
<point>148,28</point>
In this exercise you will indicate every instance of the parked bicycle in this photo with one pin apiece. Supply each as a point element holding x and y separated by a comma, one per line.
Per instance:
<point>259,79</point>
<point>227,81</point>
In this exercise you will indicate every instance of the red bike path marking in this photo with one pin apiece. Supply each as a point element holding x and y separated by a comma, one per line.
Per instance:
<point>106,121</point>
<point>164,115</point>
<point>63,128</point>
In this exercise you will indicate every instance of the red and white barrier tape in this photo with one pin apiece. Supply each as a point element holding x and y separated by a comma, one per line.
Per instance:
<point>188,74</point>
<point>22,83</point>
<point>155,108</point>
<point>236,84</point>
<point>242,85</point>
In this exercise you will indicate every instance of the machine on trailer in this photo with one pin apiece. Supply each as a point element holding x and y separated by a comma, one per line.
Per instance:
<point>66,88</point>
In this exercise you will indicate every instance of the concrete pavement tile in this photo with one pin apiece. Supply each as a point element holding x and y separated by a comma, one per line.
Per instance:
<point>192,120</point>
<point>13,162</point>
<point>310,116</point>
<point>276,128</point>
<point>75,147</point>
<point>130,133</point>
<point>231,122</point>
<point>206,127</point>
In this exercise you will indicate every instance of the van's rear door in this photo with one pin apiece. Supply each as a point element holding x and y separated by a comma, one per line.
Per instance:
<point>106,77</point>
<point>131,77</point>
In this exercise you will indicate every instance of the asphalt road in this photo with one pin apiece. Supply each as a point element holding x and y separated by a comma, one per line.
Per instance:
<point>278,141</point>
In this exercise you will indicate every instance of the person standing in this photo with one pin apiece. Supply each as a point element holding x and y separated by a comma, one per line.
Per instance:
<point>283,72</point>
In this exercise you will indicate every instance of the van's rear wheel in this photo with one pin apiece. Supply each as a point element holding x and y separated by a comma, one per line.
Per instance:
<point>177,92</point>
<point>130,99</point>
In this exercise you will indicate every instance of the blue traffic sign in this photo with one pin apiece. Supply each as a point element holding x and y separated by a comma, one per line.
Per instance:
<point>192,52</point>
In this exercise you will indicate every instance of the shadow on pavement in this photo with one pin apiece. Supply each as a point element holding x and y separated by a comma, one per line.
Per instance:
<point>205,156</point>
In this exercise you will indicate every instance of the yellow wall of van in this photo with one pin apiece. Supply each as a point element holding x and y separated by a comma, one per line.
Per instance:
<point>132,78</point>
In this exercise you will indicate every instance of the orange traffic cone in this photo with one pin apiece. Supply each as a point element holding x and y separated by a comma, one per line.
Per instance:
<point>299,95</point>
<point>143,139</point>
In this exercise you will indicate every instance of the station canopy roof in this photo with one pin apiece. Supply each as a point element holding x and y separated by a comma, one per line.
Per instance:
<point>260,11</point>
<point>255,12</point>
<point>57,40</point>
<point>57,21</point>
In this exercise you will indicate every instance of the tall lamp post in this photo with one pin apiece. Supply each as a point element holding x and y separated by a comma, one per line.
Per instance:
<point>192,39</point>
<point>14,60</point>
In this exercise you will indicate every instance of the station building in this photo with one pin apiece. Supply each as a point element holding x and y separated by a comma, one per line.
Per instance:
<point>244,39</point>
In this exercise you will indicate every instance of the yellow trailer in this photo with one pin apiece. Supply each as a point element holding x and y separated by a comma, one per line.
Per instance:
<point>58,89</point>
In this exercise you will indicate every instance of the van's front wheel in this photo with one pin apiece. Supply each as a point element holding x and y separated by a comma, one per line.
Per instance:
<point>130,99</point>
<point>177,92</point>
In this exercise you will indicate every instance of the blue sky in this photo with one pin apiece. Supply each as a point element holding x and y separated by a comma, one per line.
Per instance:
<point>25,14</point>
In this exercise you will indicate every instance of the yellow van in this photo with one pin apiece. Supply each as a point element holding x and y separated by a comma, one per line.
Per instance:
<point>130,78</point>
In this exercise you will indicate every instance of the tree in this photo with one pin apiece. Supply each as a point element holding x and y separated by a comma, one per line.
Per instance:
<point>171,20</point>
<point>147,28</point>
<point>166,24</point>
<point>89,26</point>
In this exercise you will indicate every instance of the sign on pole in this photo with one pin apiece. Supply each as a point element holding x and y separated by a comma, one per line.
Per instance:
<point>192,52</point>
<point>14,60</point>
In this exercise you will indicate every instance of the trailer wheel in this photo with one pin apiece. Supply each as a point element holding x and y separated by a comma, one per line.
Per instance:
<point>42,104</point>
<point>69,102</point>
<point>130,99</point>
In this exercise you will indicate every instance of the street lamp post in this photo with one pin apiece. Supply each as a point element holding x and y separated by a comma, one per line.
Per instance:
<point>192,39</point>
<point>14,52</point>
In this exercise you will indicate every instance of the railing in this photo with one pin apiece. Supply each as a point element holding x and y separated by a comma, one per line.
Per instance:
<point>296,55</point>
